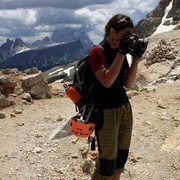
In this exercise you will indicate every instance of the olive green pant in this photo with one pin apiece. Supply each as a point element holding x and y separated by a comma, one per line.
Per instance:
<point>113,141</point>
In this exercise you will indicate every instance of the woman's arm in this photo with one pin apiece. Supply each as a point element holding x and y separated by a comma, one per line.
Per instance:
<point>107,76</point>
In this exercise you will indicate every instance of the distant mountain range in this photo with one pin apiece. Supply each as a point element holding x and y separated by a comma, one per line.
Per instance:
<point>71,44</point>
<point>63,47</point>
<point>46,58</point>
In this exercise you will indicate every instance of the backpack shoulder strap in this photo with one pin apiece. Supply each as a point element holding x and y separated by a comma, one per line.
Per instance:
<point>91,87</point>
<point>101,47</point>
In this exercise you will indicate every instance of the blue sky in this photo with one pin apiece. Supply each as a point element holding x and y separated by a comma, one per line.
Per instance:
<point>35,19</point>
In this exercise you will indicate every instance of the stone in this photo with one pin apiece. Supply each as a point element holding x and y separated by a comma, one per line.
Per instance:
<point>38,150</point>
<point>157,71</point>
<point>36,86</point>
<point>10,71</point>
<point>164,118</point>
<point>74,156</point>
<point>13,115</point>
<point>7,86</point>
<point>20,124</point>
<point>27,97</point>
<point>149,88</point>
<point>18,111</point>
<point>132,93</point>
<point>170,57</point>
<point>4,103</point>
<point>87,166</point>
<point>2,115</point>
<point>93,155</point>
<point>32,70</point>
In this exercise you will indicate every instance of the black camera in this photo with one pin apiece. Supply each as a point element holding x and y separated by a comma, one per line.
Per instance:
<point>137,46</point>
<point>140,47</point>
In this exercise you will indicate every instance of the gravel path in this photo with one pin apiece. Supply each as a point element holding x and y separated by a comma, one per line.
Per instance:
<point>27,153</point>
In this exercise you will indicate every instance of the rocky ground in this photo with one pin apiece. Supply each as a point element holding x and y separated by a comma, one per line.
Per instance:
<point>27,153</point>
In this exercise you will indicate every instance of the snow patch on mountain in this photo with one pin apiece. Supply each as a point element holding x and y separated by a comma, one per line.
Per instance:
<point>60,69</point>
<point>67,71</point>
<point>164,28</point>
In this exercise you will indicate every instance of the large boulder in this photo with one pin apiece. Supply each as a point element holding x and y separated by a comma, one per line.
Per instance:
<point>4,103</point>
<point>35,85</point>
<point>156,71</point>
<point>7,86</point>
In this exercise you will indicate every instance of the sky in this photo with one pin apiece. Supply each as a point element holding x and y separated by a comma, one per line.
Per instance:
<point>34,19</point>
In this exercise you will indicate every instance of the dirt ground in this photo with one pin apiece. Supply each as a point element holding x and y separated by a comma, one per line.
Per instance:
<point>26,153</point>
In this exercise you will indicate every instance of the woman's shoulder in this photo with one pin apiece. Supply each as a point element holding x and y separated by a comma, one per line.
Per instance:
<point>97,49</point>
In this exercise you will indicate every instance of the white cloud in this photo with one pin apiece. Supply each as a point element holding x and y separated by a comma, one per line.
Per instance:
<point>93,16</point>
<point>25,17</point>
<point>28,19</point>
<point>4,31</point>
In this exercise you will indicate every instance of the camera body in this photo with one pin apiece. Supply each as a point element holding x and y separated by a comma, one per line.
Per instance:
<point>136,46</point>
<point>140,46</point>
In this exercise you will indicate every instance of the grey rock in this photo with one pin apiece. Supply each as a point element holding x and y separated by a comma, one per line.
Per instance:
<point>2,115</point>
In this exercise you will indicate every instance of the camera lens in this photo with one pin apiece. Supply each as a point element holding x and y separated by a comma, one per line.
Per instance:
<point>141,44</point>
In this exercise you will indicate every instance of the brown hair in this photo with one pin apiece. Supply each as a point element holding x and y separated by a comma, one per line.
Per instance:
<point>118,22</point>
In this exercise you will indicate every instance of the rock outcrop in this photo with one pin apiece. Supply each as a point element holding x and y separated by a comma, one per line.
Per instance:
<point>161,63</point>
<point>148,25</point>
<point>29,85</point>
<point>35,85</point>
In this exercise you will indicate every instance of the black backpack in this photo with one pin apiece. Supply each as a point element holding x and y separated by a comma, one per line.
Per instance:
<point>83,82</point>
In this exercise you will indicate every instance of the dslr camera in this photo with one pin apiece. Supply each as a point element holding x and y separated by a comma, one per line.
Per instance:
<point>136,46</point>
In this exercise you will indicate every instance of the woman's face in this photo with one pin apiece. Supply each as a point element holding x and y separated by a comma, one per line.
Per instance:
<point>116,36</point>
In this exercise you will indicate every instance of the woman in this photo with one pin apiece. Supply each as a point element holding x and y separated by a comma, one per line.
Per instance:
<point>112,74</point>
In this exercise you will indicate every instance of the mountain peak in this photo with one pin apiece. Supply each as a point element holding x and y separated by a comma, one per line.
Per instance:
<point>166,15</point>
<point>18,43</point>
